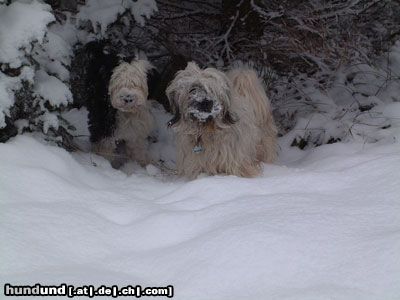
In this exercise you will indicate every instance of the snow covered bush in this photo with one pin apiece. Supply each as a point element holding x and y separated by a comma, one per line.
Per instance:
<point>102,13</point>
<point>34,73</point>
<point>353,107</point>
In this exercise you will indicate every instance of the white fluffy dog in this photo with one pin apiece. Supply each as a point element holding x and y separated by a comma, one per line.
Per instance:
<point>128,92</point>
<point>223,122</point>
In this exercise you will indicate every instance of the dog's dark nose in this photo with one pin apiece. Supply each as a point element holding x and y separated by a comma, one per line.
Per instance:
<point>128,98</point>
<point>205,106</point>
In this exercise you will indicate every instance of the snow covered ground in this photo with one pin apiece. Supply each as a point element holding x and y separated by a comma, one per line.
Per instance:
<point>321,224</point>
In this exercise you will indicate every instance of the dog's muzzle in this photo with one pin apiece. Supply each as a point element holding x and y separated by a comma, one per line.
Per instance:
<point>126,100</point>
<point>205,106</point>
<point>202,107</point>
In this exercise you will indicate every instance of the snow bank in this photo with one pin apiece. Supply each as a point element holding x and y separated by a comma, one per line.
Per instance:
<point>323,226</point>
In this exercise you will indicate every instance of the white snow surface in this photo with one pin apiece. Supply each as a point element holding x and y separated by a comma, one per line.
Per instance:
<point>320,224</point>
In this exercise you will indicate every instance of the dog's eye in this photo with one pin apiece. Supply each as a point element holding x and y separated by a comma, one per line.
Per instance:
<point>230,118</point>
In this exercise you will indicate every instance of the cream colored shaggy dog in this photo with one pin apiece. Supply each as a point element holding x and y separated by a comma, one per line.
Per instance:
<point>128,92</point>
<point>223,122</point>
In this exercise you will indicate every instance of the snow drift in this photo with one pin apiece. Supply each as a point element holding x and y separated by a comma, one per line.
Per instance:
<point>324,226</point>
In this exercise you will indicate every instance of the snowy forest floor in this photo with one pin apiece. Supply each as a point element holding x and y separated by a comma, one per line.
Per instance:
<point>320,224</point>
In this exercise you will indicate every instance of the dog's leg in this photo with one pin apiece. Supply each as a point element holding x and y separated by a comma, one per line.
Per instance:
<point>121,154</point>
<point>137,150</point>
<point>267,150</point>
<point>112,149</point>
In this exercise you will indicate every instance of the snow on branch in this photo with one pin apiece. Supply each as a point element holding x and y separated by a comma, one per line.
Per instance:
<point>102,13</point>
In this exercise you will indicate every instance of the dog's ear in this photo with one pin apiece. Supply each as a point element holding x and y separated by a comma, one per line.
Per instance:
<point>193,67</point>
<point>230,118</point>
<point>144,65</point>
<point>175,119</point>
<point>172,95</point>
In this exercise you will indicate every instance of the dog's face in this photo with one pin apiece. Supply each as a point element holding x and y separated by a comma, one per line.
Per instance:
<point>201,97</point>
<point>128,86</point>
<point>202,107</point>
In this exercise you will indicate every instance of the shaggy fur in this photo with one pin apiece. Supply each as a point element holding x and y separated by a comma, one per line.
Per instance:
<point>134,122</point>
<point>98,64</point>
<point>235,135</point>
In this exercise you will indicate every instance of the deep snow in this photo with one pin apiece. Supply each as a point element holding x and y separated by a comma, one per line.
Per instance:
<point>321,224</point>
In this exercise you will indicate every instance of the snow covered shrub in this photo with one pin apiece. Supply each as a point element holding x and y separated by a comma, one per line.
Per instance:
<point>102,13</point>
<point>313,49</point>
<point>354,106</point>
<point>34,75</point>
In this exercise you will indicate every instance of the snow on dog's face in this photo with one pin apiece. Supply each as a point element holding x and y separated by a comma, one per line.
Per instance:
<point>128,85</point>
<point>200,96</point>
<point>201,106</point>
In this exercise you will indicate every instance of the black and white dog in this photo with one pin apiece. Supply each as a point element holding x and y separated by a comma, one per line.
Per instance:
<point>120,120</point>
